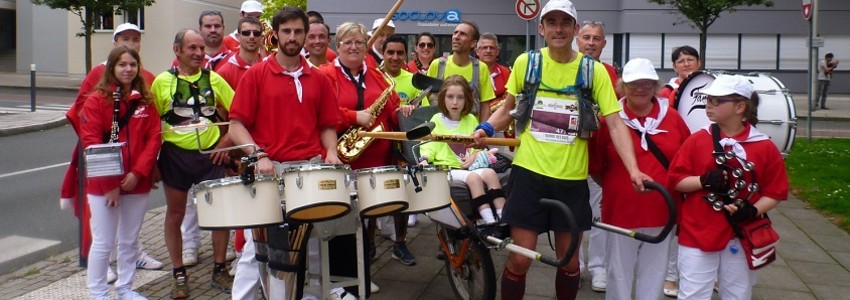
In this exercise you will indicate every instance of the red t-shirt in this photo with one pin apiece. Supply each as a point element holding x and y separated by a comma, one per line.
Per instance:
<point>670,90</point>
<point>232,68</point>
<point>622,205</point>
<point>267,103</point>
<point>380,152</point>
<point>700,226</point>
<point>612,73</point>
<point>231,42</point>
<point>499,76</point>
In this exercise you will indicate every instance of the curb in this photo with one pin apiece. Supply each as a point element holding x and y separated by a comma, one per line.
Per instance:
<point>57,122</point>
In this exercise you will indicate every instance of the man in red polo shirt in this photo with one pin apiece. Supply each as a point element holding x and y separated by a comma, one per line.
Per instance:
<point>488,51</point>
<point>251,39</point>
<point>250,8</point>
<point>295,121</point>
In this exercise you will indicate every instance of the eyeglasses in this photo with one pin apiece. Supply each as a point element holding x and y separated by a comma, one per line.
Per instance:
<point>597,23</point>
<point>349,43</point>
<point>426,45</point>
<point>716,101</point>
<point>249,32</point>
<point>641,84</point>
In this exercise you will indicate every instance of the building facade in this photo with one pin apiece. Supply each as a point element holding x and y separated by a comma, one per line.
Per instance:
<point>752,39</point>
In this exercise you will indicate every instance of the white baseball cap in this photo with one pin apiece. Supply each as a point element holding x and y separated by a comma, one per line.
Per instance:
<point>377,23</point>
<point>637,69</point>
<point>124,27</point>
<point>559,5</point>
<point>725,85</point>
<point>251,6</point>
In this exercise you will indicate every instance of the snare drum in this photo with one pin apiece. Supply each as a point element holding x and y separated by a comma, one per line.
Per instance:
<point>227,203</point>
<point>434,181</point>
<point>380,191</point>
<point>776,113</point>
<point>316,192</point>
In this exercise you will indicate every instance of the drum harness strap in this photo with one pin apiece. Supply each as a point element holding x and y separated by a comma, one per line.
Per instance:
<point>582,89</point>
<point>197,90</point>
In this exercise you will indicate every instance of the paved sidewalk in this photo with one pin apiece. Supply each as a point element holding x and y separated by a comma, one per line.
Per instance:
<point>814,263</point>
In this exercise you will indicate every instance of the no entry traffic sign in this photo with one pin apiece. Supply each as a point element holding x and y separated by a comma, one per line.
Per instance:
<point>527,9</point>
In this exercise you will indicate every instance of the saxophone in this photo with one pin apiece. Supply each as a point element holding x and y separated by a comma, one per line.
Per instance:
<point>350,144</point>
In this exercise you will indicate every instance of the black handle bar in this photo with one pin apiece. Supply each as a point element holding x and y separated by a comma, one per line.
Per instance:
<point>671,221</point>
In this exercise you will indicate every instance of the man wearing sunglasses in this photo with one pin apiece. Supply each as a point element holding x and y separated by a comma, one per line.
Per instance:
<point>250,8</point>
<point>250,39</point>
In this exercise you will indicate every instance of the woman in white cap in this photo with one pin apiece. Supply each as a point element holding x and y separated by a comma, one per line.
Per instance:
<point>709,250</point>
<point>657,132</point>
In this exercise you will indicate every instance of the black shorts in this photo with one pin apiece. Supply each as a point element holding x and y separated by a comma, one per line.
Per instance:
<point>181,168</point>
<point>523,208</point>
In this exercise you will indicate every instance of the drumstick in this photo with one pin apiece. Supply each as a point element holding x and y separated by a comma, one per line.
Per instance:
<point>384,23</point>
<point>445,138</point>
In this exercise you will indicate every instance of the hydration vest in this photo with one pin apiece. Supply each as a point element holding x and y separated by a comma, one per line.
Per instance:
<point>191,100</point>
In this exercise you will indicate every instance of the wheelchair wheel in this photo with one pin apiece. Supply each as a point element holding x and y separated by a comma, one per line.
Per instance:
<point>470,267</point>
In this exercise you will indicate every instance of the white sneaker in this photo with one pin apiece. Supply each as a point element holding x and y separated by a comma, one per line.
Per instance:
<point>145,261</point>
<point>411,220</point>
<point>131,295</point>
<point>111,276</point>
<point>599,283</point>
<point>190,257</point>
<point>341,294</point>
<point>374,288</point>
<point>235,263</point>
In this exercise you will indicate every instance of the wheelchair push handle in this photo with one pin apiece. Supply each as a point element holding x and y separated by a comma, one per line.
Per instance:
<point>530,253</point>
<point>671,218</point>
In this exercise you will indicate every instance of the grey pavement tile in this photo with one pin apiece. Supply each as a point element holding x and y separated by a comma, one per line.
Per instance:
<point>804,251</point>
<point>832,243</point>
<point>830,292</point>
<point>398,289</point>
<point>423,272</point>
<point>843,258</point>
<point>780,277</point>
<point>793,202</point>
<point>540,281</point>
<point>819,273</point>
<point>438,289</point>
<point>763,293</point>
<point>818,225</point>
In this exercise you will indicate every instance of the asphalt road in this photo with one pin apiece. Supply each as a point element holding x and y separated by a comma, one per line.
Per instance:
<point>31,172</point>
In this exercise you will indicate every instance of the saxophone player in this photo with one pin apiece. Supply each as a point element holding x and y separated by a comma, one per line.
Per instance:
<point>366,99</point>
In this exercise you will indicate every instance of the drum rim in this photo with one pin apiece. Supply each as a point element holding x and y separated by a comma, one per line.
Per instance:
<point>381,169</point>
<point>207,184</point>
<point>312,167</point>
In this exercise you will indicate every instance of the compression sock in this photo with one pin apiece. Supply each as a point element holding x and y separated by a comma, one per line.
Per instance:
<point>180,270</point>
<point>566,284</point>
<point>218,267</point>
<point>513,285</point>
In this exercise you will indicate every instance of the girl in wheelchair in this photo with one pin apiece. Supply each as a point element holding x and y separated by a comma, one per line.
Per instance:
<point>468,165</point>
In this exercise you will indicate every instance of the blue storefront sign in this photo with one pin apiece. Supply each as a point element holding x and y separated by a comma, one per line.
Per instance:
<point>448,16</point>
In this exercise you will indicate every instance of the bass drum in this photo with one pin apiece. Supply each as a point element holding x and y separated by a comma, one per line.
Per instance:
<point>776,112</point>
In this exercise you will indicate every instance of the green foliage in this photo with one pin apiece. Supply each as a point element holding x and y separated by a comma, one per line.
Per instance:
<point>271,7</point>
<point>818,174</point>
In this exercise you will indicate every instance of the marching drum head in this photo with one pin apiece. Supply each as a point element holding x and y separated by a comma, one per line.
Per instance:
<point>690,105</point>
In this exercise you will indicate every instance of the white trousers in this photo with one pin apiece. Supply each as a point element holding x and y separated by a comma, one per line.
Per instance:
<point>111,225</point>
<point>247,281</point>
<point>596,249</point>
<point>189,228</point>
<point>673,260</point>
<point>637,265</point>
<point>699,270</point>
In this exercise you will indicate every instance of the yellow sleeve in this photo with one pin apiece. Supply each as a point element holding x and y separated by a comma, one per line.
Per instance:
<point>517,79</point>
<point>223,92</point>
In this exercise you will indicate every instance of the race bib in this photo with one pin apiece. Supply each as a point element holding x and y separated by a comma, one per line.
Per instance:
<point>554,120</point>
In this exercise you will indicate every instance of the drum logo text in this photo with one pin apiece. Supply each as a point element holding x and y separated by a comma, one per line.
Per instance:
<point>327,184</point>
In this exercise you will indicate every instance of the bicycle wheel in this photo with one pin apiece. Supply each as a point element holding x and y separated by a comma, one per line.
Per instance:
<point>475,278</point>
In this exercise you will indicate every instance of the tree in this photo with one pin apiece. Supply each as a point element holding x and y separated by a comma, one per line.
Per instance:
<point>271,7</point>
<point>89,11</point>
<point>702,13</point>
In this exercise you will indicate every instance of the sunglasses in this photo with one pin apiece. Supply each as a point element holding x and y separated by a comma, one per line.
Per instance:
<point>249,32</point>
<point>426,45</point>
<point>716,101</point>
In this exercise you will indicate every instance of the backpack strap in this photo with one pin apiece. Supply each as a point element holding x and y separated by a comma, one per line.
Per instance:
<point>441,68</point>
<point>476,78</point>
<point>525,100</point>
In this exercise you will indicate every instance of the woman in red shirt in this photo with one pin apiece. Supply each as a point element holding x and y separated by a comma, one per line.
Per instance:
<point>426,51</point>
<point>118,203</point>
<point>685,61</point>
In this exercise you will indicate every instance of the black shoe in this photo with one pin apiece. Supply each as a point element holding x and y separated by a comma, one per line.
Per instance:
<point>402,254</point>
<point>824,108</point>
<point>496,230</point>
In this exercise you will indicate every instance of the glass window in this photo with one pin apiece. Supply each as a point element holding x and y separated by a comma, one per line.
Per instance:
<point>793,52</point>
<point>721,52</point>
<point>104,21</point>
<point>645,46</point>
<point>136,17</point>
<point>758,52</point>
<point>673,41</point>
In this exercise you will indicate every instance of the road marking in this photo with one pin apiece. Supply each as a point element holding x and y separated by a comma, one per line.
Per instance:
<point>47,107</point>
<point>33,170</point>
<point>16,246</point>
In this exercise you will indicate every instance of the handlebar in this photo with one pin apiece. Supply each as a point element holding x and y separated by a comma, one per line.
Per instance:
<point>671,221</point>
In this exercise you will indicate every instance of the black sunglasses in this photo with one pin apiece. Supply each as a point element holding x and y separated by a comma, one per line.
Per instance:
<point>249,32</point>
<point>426,45</point>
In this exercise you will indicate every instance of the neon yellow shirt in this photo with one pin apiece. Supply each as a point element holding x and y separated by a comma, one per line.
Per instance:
<point>561,161</point>
<point>404,87</point>
<point>441,154</point>
<point>485,88</point>
<point>163,88</point>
